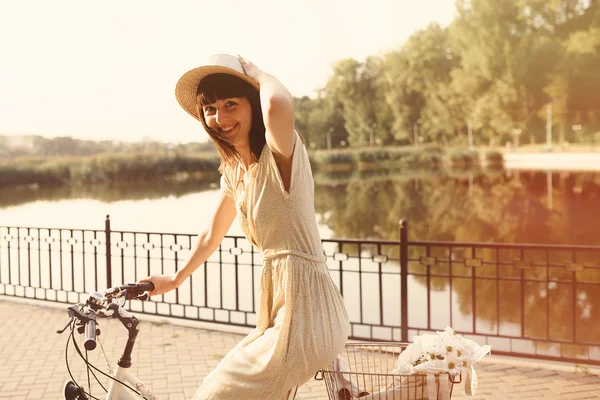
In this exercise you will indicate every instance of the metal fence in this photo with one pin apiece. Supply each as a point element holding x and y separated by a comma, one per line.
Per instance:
<point>539,301</point>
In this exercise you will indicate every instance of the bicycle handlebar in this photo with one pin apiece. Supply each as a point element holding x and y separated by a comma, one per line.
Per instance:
<point>130,291</point>
<point>98,301</point>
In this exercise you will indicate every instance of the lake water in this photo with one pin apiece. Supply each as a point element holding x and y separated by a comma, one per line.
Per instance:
<point>481,206</point>
<point>179,208</point>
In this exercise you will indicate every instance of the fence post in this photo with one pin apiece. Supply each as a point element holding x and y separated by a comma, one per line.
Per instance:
<point>108,253</point>
<point>404,279</point>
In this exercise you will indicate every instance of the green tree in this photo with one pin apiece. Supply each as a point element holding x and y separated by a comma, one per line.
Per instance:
<point>431,59</point>
<point>517,56</point>
<point>495,48</point>
<point>316,118</point>
<point>355,88</point>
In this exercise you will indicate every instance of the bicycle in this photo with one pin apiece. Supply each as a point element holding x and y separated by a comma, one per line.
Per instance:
<point>124,385</point>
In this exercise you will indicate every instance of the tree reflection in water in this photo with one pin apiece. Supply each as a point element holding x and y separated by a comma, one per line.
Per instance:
<point>538,298</point>
<point>494,207</point>
<point>109,192</point>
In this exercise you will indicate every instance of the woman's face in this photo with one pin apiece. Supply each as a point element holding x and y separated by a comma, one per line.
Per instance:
<point>230,118</point>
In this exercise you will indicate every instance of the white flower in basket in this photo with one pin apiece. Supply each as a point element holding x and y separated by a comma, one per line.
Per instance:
<point>430,355</point>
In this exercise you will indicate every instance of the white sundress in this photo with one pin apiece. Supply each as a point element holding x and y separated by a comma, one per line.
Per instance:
<point>302,323</point>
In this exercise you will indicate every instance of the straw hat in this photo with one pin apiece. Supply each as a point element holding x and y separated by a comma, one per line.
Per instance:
<point>187,86</point>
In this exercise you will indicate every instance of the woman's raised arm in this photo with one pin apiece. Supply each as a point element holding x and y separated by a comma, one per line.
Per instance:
<point>278,110</point>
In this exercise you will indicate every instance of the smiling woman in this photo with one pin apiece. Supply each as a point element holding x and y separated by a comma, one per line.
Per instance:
<point>266,181</point>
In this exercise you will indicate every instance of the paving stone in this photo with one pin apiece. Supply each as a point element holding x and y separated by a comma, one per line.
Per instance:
<point>174,360</point>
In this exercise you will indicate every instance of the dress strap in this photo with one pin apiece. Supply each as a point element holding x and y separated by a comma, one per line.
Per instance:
<point>268,254</point>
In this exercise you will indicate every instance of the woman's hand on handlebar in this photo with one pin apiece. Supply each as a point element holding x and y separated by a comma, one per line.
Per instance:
<point>162,284</point>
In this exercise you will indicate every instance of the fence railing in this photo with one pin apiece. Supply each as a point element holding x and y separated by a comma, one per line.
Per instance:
<point>540,301</point>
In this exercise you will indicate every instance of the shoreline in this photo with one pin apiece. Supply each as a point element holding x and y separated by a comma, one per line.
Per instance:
<point>552,161</point>
<point>128,169</point>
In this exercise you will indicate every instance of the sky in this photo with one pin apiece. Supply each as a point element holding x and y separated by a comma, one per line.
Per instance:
<point>107,69</point>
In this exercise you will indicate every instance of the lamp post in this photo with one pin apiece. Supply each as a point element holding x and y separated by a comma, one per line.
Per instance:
<point>372,134</point>
<point>517,133</point>
<point>416,132</point>
<point>549,188</point>
<point>576,129</point>
<point>549,125</point>
<point>470,134</point>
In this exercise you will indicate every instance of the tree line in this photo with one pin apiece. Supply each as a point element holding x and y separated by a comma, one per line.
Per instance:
<point>502,70</point>
<point>35,145</point>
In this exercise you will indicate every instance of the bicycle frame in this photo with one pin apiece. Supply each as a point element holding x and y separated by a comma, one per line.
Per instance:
<point>117,391</point>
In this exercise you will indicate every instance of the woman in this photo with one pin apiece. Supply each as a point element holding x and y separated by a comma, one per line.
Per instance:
<point>266,179</point>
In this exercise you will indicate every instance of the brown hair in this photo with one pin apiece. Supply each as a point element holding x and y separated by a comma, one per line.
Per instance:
<point>223,86</point>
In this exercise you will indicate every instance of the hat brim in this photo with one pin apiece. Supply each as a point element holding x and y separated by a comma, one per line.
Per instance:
<point>187,86</point>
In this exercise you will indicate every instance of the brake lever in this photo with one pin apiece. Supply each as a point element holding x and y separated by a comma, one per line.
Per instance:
<point>68,323</point>
<point>143,297</point>
<point>75,313</point>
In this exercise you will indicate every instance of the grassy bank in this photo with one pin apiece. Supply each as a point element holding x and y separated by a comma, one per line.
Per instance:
<point>374,158</point>
<point>106,168</point>
<point>394,158</point>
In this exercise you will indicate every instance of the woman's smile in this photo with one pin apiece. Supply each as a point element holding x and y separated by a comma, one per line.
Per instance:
<point>228,130</point>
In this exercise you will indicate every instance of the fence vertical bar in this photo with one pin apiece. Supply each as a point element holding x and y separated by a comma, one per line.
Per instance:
<point>253,281</point>
<point>574,301</point>
<point>108,253</point>
<point>380,270</point>
<point>94,240</point>
<point>83,258</point>
<point>548,295</point>
<point>450,275</point>
<point>473,293</point>
<point>121,246</point>
<point>428,254</point>
<point>60,252</point>
<point>522,276</point>
<point>28,257</point>
<point>72,254</point>
<point>236,279</point>
<point>360,284</point>
<point>39,240</point>
<point>49,241</point>
<point>189,237</point>
<point>18,258</point>
<point>9,239</point>
<point>340,249</point>
<point>404,279</point>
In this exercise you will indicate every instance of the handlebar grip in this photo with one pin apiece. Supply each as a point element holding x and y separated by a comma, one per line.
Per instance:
<point>90,335</point>
<point>146,286</point>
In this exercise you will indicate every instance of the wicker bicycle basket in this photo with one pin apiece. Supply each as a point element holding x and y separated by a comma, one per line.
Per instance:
<point>369,375</point>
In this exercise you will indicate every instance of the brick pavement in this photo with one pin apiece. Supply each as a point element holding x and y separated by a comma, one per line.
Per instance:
<point>173,359</point>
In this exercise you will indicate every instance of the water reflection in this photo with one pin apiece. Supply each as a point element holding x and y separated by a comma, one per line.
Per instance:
<point>108,192</point>
<point>481,206</point>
